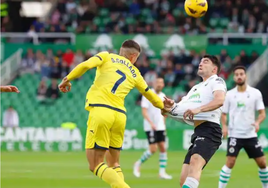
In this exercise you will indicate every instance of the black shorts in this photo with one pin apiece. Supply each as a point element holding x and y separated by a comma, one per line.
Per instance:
<point>206,140</point>
<point>251,146</point>
<point>156,136</point>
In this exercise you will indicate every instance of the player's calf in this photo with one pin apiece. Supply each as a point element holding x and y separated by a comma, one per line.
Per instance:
<point>226,170</point>
<point>263,170</point>
<point>196,165</point>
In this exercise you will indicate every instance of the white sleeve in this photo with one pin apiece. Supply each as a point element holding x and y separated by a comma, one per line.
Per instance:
<point>145,102</point>
<point>259,102</point>
<point>177,114</point>
<point>226,105</point>
<point>219,85</point>
<point>5,122</point>
<point>16,119</point>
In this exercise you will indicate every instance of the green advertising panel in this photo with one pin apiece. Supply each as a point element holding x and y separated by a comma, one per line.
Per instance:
<point>152,44</point>
<point>61,139</point>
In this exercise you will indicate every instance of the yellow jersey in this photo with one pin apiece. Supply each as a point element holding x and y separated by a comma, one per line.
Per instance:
<point>115,77</point>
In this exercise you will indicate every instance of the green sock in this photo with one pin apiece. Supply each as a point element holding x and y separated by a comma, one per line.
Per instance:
<point>146,155</point>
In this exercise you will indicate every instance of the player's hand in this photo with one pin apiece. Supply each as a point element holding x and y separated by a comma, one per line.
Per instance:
<point>153,127</point>
<point>257,126</point>
<point>9,89</point>
<point>190,113</point>
<point>65,86</point>
<point>163,112</point>
<point>224,131</point>
<point>168,104</point>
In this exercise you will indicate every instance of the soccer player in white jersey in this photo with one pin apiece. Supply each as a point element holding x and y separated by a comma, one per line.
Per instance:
<point>155,129</point>
<point>241,104</point>
<point>201,108</point>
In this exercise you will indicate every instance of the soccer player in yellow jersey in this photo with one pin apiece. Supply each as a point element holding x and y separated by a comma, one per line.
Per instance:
<point>115,77</point>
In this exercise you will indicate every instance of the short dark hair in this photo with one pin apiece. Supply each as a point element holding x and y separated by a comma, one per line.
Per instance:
<point>215,61</point>
<point>159,77</point>
<point>131,44</point>
<point>239,67</point>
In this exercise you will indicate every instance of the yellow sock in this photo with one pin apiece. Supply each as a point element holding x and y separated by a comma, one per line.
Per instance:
<point>110,176</point>
<point>119,171</point>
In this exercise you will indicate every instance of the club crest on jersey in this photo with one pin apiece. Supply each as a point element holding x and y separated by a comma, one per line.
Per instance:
<point>231,150</point>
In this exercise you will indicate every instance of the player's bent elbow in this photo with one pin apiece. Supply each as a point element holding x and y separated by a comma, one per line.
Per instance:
<point>220,102</point>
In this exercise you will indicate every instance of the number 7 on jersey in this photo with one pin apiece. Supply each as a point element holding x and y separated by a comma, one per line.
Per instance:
<point>122,79</point>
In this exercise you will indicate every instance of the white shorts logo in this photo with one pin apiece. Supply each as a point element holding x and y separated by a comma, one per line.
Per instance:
<point>258,145</point>
<point>231,150</point>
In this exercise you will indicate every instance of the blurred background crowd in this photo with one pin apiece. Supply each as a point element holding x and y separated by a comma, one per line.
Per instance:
<point>175,69</point>
<point>149,16</point>
<point>139,16</point>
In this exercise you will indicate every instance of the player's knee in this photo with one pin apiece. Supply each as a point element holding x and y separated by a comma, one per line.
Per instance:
<point>162,149</point>
<point>196,161</point>
<point>262,162</point>
<point>153,148</point>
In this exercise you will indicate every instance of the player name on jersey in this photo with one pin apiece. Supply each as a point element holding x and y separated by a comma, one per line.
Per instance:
<point>126,63</point>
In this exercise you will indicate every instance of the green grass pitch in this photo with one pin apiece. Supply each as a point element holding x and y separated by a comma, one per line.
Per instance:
<point>70,170</point>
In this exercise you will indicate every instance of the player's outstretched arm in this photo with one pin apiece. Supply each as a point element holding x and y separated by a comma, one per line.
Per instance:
<point>153,98</point>
<point>79,70</point>
<point>13,89</point>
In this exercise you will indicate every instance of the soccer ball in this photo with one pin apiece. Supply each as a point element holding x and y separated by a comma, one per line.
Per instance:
<point>196,8</point>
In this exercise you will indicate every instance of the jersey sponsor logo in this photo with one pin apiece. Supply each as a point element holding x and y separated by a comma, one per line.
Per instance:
<point>195,96</point>
<point>126,63</point>
<point>240,104</point>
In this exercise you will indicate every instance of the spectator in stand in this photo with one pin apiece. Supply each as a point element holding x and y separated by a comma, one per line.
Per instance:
<point>41,91</point>
<point>52,91</point>
<point>68,59</point>
<point>78,58</point>
<point>42,65</point>
<point>254,56</point>
<point>6,25</point>
<point>150,76</point>
<point>169,75</point>
<point>10,118</point>
<point>180,74</point>
<point>223,55</point>
<point>32,33</point>
<point>144,67</point>
<point>28,62</point>
<point>244,58</point>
